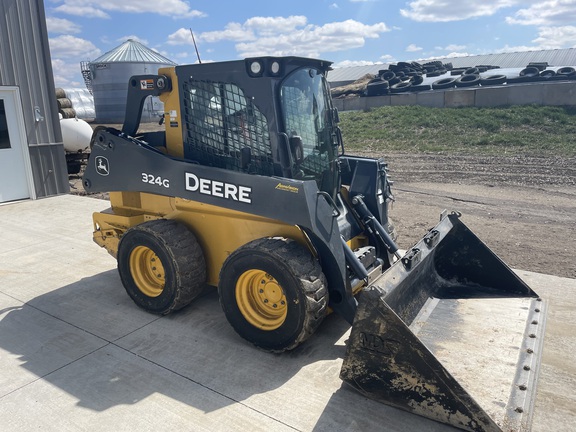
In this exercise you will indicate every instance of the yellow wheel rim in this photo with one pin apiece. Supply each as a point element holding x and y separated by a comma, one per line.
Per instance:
<point>261,299</point>
<point>147,271</point>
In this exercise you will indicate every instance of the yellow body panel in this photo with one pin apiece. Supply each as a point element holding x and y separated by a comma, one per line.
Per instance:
<point>172,117</point>
<point>219,231</point>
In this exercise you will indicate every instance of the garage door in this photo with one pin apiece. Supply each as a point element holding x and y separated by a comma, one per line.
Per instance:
<point>14,156</point>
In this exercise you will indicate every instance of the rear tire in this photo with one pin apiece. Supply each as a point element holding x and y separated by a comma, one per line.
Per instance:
<point>161,265</point>
<point>273,293</point>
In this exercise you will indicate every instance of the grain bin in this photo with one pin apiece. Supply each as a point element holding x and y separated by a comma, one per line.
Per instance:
<point>109,75</point>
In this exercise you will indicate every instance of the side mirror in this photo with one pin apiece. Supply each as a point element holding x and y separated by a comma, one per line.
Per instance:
<point>297,149</point>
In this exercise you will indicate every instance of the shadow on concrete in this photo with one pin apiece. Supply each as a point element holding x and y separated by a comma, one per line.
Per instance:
<point>89,340</point>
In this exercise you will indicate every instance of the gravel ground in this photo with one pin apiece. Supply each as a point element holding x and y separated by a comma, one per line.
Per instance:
<point>523,208</point>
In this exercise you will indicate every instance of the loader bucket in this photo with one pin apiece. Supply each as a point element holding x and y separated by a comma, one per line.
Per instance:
<point>449,332</point>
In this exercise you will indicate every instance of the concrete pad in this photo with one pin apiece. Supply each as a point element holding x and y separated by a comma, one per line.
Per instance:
<point>114,390</point>
<point>77,354</point>
<point>296,388</point>
<point>33,344</point>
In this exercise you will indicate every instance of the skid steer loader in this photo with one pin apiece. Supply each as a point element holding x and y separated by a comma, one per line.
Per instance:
<point>248,189</point>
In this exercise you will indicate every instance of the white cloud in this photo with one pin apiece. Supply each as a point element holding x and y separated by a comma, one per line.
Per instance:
<point>451,47</point>
<point>556,37</point>
<point>387,58</point>
<point>456,54</point>
<point>66,73</point>
<point>232,31</point>
<point>81,10</point>
<point>546,13</point>
<point>413,48</point>
<point>181,36</point>
<point>334,6</point>
<point>67,46</point>
<point>286,36</point>
<point>100,8</point>
<point>134,38</point>
<point>270,26</point>
<point>61,26</point>
<point>453,10</point>
<point>353,63</point>
<point>518,48</point>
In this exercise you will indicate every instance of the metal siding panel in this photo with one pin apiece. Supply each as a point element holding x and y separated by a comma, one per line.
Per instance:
<point>47,163</point>
<point>26,63</point>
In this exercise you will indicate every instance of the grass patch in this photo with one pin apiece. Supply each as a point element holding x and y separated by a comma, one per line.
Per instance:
<point>534,130</point>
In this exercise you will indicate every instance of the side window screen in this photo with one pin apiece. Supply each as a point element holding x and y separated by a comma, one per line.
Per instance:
<point>224,129</point>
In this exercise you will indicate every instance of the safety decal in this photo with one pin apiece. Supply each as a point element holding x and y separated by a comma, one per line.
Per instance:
<point>147,84</point>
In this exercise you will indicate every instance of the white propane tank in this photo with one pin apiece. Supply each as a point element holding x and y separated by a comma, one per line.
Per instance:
<point>76,134</point>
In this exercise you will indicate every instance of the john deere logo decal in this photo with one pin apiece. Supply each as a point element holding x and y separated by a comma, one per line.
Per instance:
<point>102,165</point>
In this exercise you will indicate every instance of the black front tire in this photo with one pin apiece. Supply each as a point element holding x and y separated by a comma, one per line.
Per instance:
<point>161,265</point>
<point>273,293</point>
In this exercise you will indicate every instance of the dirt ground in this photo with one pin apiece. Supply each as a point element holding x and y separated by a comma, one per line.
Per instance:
<point>523,208</point>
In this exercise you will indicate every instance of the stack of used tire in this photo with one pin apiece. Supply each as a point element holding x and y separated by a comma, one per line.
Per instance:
<point>538,72</point>
<point>414,77</point>
<point>402,77</point>
<point>469,77</point>
<point>65,107</point>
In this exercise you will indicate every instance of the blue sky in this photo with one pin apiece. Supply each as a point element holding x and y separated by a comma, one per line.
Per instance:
<point>347,32</point>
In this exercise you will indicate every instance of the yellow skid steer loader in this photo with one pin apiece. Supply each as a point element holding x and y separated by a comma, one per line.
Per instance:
<point>248,189</point>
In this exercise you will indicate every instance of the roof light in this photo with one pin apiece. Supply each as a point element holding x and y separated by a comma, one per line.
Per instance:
<point>256,68</point>
<point>275,68</point>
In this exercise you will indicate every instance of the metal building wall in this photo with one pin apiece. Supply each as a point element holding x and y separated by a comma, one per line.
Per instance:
<point>25,62</point>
